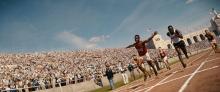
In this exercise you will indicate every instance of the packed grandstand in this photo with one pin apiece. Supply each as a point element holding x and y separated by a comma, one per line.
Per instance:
<point>39,71</point>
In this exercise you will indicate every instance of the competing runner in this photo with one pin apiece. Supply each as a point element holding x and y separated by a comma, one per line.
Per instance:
<point>142,50</point>
<point>164,58</point>
<point>139,62</point>
<point>176,38</point>
<point>211,38</point>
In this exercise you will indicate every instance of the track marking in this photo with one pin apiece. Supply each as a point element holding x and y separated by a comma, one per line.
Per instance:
<point>199,64</point>
<point>131,86</point>
<point>181,77</point>
<point>189,79</point>
<point>189,75</point>
<point>212,60</point>
<point>198,58</point>
<point>186,83</point>
<point>176,71</point>
<point>194,59</point>
<point>161,81</point>
<point>149,88</point>
<point>144,88</point>
<point>171,75</point>
<point>139,84</point>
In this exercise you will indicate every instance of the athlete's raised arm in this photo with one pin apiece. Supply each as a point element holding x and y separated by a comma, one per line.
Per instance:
<point>132,45</point>
<point>150,38</point>
<point>179,34</point>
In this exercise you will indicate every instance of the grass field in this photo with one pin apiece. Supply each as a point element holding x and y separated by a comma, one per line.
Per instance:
<point>117,85</point>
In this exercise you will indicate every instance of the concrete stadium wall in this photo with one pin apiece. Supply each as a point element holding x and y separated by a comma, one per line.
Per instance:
<point>85,86</point>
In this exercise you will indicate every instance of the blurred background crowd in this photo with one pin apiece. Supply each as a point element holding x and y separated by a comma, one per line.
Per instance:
<point>45,70</point>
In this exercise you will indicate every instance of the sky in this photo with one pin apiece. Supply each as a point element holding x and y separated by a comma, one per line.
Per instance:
<point>51,25</point>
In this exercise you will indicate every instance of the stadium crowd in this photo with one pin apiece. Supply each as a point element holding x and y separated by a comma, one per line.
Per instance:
<point>45,70</point>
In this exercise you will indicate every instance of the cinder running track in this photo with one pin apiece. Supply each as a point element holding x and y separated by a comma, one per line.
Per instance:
<point>201,75</point>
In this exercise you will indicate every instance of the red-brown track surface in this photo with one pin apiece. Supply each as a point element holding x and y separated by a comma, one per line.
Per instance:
<point>202,74</point>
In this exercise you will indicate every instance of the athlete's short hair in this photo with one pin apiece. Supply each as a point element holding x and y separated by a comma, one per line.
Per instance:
<point>137,36</point>
<point>170,27</point>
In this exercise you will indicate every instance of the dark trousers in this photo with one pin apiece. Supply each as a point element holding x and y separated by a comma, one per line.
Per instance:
<point>150,63</point>
<point>181,46</point>
<point>144,72</point>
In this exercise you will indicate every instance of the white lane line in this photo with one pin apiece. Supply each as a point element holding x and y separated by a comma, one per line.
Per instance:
<point>181,77</point>
<point>131,86</point>
<point>189,79</point>
<point>166,77</point>
<point>212,60</point>
<point>199,64</point>
<point>175,71</point>
<point>186,83</point>
<point>198,58</point>
<point>185,68</point>
<point>194,59</point>
<point>149,88</point>
<point>189,75</point>
<point>139,84</point>
<point>144,88</point>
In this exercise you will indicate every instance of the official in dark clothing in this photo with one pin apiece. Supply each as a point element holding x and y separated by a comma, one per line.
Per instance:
<point>131,70</point>
<point>109,75</point>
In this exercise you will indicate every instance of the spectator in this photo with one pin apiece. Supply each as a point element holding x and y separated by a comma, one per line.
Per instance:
<point>110,76</point>
<point>98,79</point>
<point>122,71</point>
<point>131,70</point>
<point>46,68</point>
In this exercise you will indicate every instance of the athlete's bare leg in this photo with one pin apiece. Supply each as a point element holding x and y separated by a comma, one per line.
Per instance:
<point>144,72</point>
<point>214,46</point>
<point>139,62</point>
<point>151,65</point>
<point>138,70</point>
<point>167,64</point>
<point>180,56</point>
<point>183,48</point>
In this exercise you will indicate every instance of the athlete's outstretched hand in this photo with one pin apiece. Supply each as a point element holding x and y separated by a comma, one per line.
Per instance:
<point>155,33</point>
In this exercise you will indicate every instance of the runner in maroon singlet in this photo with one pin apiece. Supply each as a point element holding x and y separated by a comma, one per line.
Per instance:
<point>142,50</point>
<point>164,58</point>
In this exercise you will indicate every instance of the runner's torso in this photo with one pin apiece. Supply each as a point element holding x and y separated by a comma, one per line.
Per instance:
<point>141,48</point>
<point>162,54</point>
<point>174,38</point>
